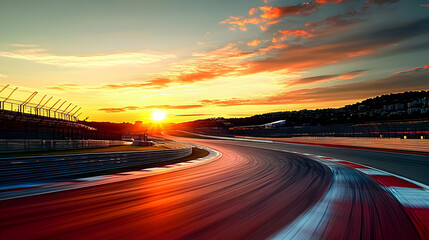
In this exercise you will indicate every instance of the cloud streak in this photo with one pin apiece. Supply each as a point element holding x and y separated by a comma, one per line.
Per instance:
<point>417,69</point>
<point>118,110</point>
<point>64,87</point>
<point>225,61</point>
<point>40,55</point>
<point>132,108</point>
<point>412,81</point>
<point>271,14</point>
<point>176,106</point>
<point>324,78</point>
<point>231,61</point>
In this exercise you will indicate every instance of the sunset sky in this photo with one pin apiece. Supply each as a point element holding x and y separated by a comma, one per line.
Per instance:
<point>196,59</point>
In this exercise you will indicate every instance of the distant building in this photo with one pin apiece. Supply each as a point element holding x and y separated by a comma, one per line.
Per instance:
<point>399,106</point>
<point>413,110</point>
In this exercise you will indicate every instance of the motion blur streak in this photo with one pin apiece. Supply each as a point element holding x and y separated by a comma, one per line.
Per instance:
<point>354,207</point>
<point>250,193</point>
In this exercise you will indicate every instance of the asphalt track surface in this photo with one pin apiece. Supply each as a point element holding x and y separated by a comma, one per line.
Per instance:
<point>252,192</point>
<point>414,167</point>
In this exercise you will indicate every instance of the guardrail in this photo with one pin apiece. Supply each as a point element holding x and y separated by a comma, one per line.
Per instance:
<point>30,145</point>
<point>40,168</point>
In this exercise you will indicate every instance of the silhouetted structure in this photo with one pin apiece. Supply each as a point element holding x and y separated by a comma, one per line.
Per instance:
<point>393,115</point>
<point>27,115</point>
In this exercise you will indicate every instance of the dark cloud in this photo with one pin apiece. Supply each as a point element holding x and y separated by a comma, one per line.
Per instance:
<point>417,69</point>
<point>322,78</point>
<point>301,57</point>
<point>412,81</point>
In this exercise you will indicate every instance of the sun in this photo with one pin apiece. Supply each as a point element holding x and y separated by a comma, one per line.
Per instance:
<point>158,115</point>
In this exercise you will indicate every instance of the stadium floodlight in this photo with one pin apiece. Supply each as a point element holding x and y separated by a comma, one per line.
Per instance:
<point>29,99</point>
<point>54,104</point>
<point>10,94</point>
<point>41,101</point>
<point>60,106</point>
<point>4,88</point>
<point>71,110</point>
<point>49,111</point>
<point>66,108</point>
<point>76,111</point>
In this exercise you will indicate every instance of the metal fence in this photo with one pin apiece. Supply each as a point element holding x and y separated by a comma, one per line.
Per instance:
<point>33,145</point>
<point>40,168</point>
<point>41,112</point>
<point>18,99</point>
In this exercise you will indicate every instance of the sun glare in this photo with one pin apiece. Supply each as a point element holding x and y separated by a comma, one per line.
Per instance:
<point>158,115</point>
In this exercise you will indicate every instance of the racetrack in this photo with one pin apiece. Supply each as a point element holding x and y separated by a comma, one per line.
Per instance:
<point>250,193</point>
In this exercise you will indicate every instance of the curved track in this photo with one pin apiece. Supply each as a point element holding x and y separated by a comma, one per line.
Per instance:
<point>250,193</point>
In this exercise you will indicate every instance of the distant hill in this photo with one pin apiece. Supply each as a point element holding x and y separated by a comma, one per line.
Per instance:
<point>391,107</point>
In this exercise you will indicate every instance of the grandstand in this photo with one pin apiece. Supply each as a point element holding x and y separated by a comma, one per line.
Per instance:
<point>26,114</point>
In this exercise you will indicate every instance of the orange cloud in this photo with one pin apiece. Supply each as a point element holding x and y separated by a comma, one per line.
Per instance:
<point>226,61</point>
<point>232,61</point>
<point>240,21</point>
<point>297,32</point>
<point>297,58</point>
<point>254,43</point>
<point>352,75</point>
<point>417,69</point>
<point>361,52</point>
<point>272,47</point>
<point>424,5</point>
<point>252,11</point>
<point>155,83</point>
<point>272,22</point>
<point>270,12</point>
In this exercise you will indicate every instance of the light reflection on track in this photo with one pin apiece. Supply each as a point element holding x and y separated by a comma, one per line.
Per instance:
<point>250,193</point>
<point>247,193</point>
